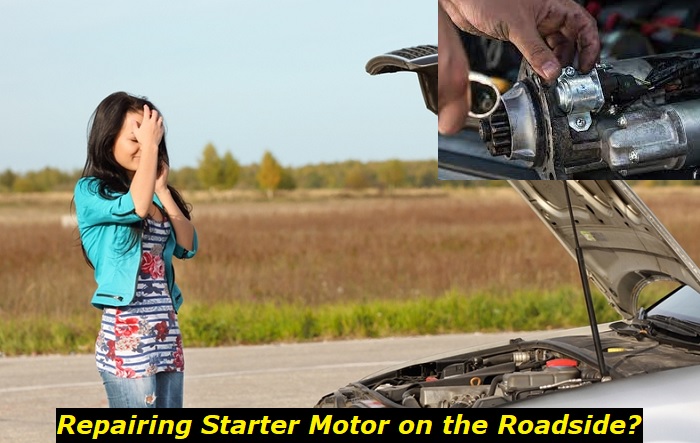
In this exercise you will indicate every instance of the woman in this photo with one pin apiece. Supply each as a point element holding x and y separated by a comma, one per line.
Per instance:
<point>131,224</point>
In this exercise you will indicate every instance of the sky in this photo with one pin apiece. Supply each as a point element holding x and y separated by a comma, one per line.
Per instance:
<point>286,76</point>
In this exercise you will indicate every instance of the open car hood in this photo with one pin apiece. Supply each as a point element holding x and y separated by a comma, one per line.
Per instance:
<point>625,247</point>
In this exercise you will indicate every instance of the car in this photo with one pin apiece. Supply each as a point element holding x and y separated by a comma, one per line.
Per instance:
<point>650,358</point>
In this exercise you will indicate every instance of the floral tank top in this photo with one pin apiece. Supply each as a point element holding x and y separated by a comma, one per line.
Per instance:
<point>143,338</point>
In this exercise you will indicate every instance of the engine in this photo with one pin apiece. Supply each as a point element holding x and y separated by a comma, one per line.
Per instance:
<point>629,117</point>
<point>490,382</point>
<point>476,380</point>
<point>520,370</point>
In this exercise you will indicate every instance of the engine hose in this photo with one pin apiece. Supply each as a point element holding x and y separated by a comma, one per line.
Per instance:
<point>496,380</point>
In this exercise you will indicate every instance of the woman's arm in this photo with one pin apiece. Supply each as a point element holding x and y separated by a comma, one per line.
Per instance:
<point>184,229</point>
<point>149,134</point>
<point>92,209</point>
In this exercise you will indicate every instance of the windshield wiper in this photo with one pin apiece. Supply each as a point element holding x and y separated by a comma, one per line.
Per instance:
<point>674,325</point>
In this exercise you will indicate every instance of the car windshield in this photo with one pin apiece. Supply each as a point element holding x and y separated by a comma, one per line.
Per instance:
<point>684,304</point>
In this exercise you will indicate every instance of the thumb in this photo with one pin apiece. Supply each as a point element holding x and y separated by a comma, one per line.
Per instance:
<point>538,54</point>
<point>452,116</point>
<point>453,100</point>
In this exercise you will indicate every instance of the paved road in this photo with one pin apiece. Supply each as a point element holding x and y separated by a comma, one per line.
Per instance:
<point>287,375</point>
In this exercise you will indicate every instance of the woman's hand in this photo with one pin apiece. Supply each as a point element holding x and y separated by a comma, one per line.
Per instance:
<point>184,230</point>
<point>162,180</point>
<point>150,132</point>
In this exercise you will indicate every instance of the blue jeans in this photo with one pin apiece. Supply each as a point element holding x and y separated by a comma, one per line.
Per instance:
<point>162,390</point>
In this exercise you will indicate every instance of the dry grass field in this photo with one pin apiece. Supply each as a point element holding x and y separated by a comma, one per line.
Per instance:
<point>312,250</point>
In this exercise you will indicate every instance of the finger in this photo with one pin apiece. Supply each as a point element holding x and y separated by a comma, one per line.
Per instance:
<point>468,97</point>
<point>581,27</point>
<point>536,52</point>
<point>452,116</point>
<point>588,50</point>
<point>453,83</point>
<point>454,98</point>
<point>563,47</point>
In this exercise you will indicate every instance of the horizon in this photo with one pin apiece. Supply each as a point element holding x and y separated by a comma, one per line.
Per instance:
<point>247,165</point>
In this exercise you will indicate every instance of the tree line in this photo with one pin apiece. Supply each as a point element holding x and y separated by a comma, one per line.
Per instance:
<point>221,171</point>
<point>216,171</point>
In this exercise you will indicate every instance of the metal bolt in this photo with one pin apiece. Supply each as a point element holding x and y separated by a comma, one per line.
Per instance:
<point>580,122</point>
<point>612,110</point>
<point>634,156</point>
<point>622,122</point>
<point>569,71</point>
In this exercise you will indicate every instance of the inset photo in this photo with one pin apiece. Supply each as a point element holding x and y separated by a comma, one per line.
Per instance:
<point>590,90</point>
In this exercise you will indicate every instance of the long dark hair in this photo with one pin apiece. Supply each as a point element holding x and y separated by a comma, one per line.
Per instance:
<point>104,127</point>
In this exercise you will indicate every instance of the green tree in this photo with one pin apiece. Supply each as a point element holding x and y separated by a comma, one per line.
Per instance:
<point>247,178</point>
<point>209,169</point>
<point>185,178</point>
<point>287,180</point>
<point>47,179</point>
<point>270,174</point>
<point>392,174</point>
<point>230,171</point>
<point>7,180</point>
<point>422,174</point>
<point>357,177</point>
<point>309,177</point>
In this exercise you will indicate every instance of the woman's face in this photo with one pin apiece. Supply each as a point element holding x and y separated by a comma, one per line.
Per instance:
<point>127,151</point>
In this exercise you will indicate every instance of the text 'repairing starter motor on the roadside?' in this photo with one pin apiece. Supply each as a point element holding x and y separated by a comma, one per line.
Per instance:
<point>622,425</point>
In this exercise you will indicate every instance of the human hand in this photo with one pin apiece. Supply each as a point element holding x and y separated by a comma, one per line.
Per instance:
<point>453,82</point>
<point>149,132</point>
<point>547,32</point>
<point>162,179</point>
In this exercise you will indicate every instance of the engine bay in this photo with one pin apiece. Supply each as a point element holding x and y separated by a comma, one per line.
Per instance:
<point>517,371</point>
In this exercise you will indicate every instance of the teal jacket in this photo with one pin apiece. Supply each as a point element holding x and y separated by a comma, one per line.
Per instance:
<point>106,234</point>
